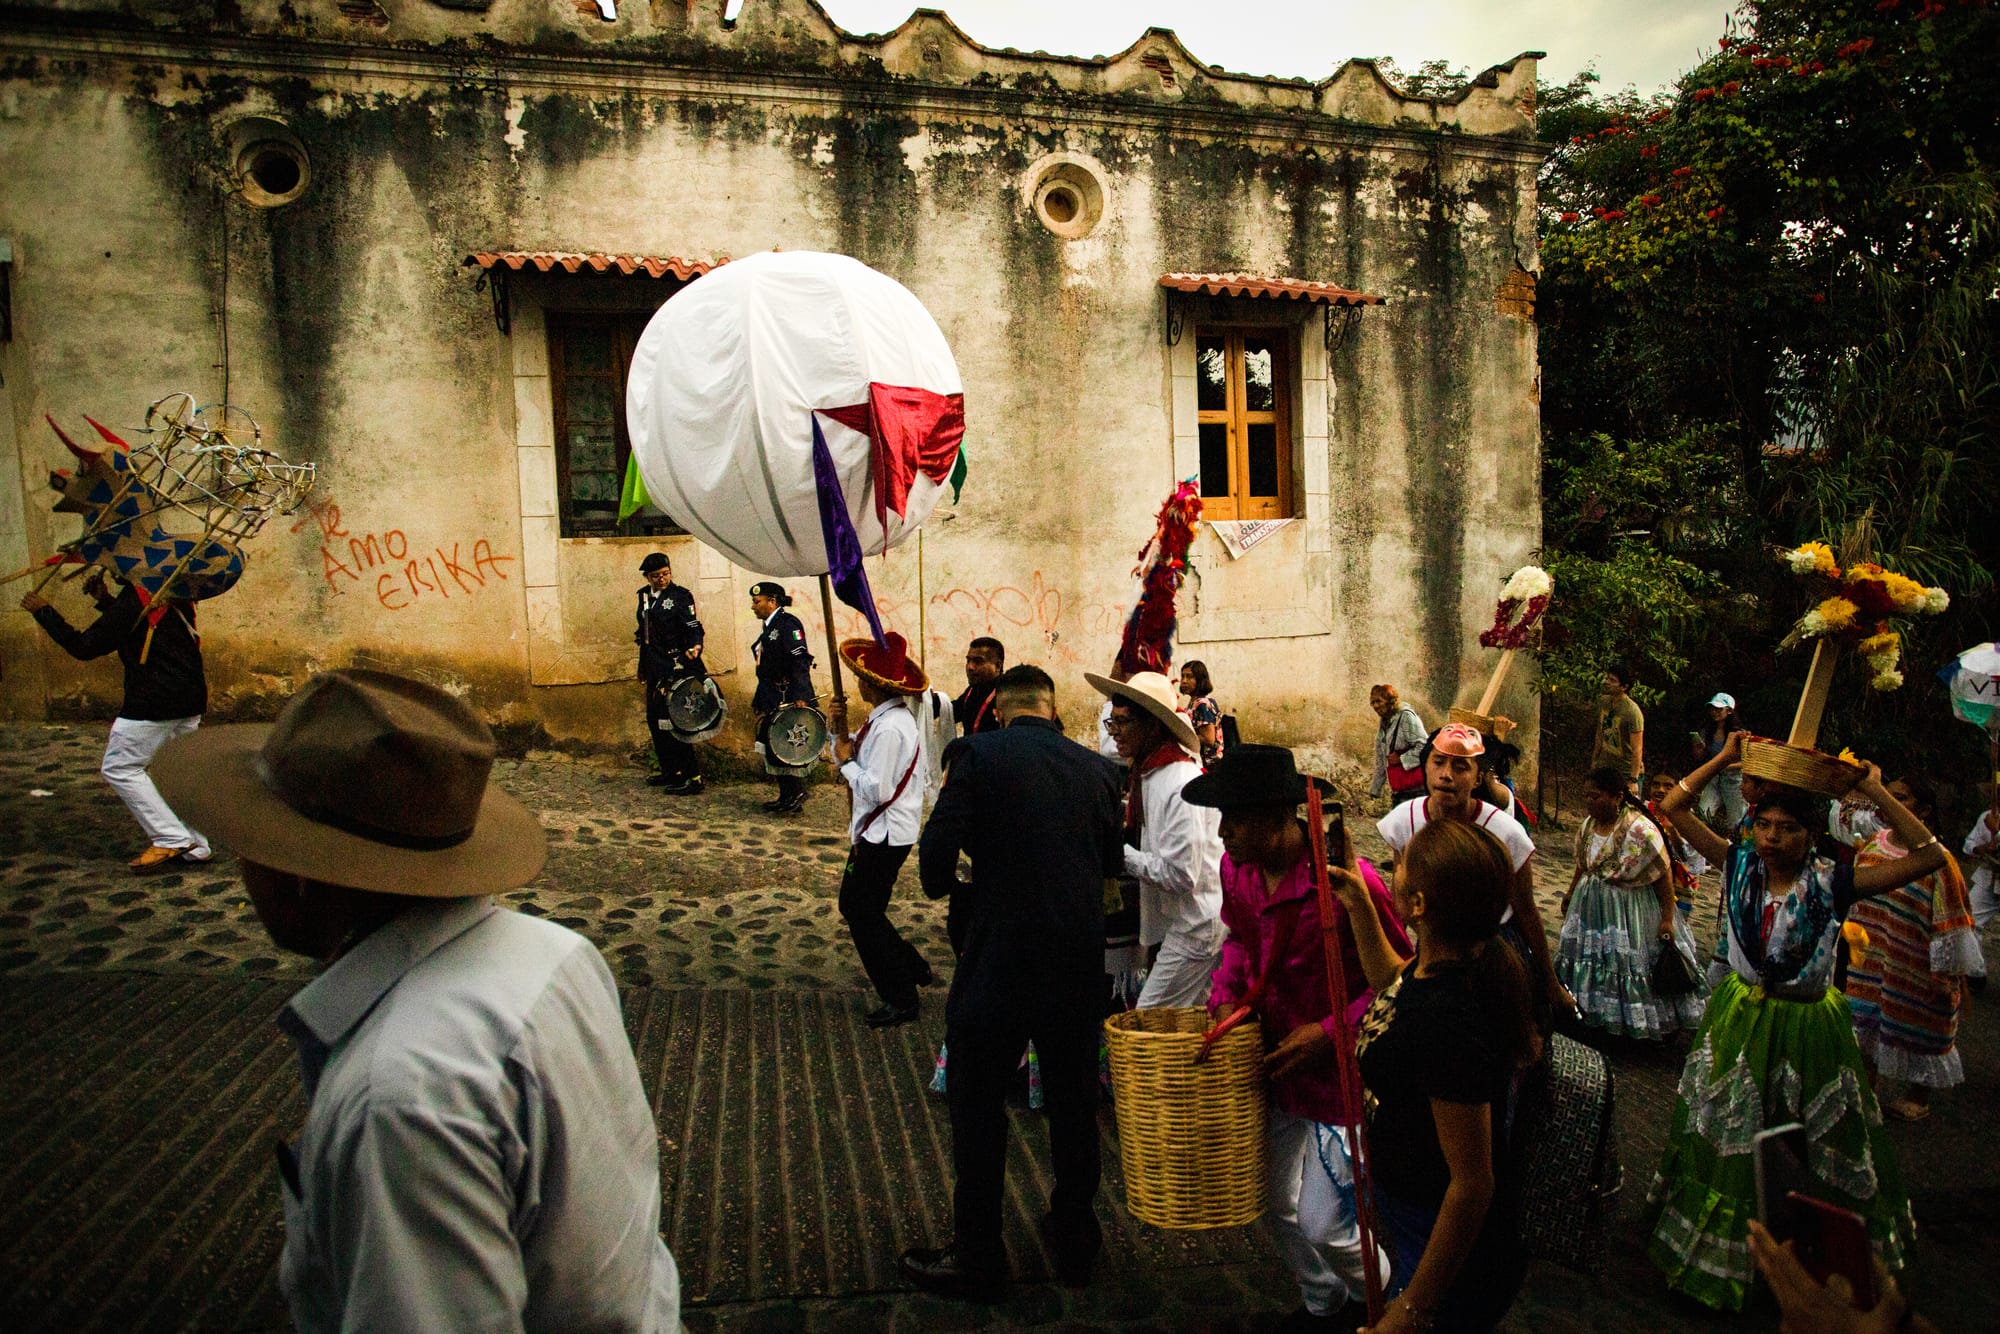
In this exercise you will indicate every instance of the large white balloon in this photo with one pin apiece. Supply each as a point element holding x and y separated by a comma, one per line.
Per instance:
<point>732,372</point>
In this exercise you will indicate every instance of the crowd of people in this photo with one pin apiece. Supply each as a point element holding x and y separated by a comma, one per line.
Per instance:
<point>478,1147</point>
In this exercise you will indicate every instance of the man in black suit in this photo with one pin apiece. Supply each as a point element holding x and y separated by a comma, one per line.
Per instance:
<point>1038,816</point>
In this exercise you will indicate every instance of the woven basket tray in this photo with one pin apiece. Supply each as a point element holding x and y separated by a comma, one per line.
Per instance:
<point>1480,722</point>
<point>1796,766</point>
<point>1190,1137</point>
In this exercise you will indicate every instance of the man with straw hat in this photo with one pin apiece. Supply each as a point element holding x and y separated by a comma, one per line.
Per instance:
<point>879,765</point>
<point>1274,962</point>
<point>1171,847</point>
<point>478,1152</point>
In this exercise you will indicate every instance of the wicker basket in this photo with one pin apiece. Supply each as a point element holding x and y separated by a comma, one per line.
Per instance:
<point>1796,766</point>
<point>1190,1137</point>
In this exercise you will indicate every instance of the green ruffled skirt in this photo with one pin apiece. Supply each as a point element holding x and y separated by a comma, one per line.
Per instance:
<point>1759,1062</point>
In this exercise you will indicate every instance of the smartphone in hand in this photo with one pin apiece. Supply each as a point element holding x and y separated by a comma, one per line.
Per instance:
<point>1827,1238</point>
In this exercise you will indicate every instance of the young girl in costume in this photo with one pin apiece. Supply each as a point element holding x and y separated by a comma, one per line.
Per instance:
<point>1906,988</point>
<point>1618,914</point>
<point>1777,1044</point>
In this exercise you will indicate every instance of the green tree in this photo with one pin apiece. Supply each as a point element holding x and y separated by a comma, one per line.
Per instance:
<point>1791,256</point>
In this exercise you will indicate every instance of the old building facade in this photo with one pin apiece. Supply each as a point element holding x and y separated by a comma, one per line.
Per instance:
<point>416,239</point>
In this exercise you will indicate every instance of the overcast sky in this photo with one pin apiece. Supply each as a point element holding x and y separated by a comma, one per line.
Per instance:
<point>1640,42</point>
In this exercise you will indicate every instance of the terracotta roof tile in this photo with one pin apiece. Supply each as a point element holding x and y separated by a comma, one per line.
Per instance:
<point>569,261</point>
<point>1261,285</point>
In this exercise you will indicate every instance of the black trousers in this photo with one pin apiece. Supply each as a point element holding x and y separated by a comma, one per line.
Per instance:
<point>892,963</point>
<point>980,1060</point>
<point>676,757</point>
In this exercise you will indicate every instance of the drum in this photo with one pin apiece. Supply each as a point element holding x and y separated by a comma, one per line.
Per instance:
<point>797,736</point>
<point>695,708</point>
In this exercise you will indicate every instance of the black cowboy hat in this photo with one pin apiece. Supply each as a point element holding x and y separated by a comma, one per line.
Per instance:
<point>1251,776</point>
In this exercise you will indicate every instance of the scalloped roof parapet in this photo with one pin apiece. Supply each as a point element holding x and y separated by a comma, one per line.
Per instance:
<point>1266,285</point>
<point>927,48</point>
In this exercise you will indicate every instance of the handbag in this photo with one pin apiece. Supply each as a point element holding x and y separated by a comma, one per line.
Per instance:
<point>1567,1156</point>
<point>1673,971</point>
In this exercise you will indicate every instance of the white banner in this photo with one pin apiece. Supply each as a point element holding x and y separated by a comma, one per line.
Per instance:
<point>1239,535</point>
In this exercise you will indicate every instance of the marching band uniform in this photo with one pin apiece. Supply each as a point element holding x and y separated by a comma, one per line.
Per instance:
<point>669,637</point>
<point>784,676</point>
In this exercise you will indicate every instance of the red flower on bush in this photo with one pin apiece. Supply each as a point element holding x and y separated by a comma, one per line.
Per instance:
<point>1657,117</point>
<point>1818,298</point>
<point>1569,217</point>
<point>1650,150</point>
<point>1683,171</point>
<point>1732,88</point>
<point>1715,212</point>
<point>1612,215</point>
<point>1855,48</point>
<point>1703,94</point>
<point>1650,201</point>
<point>1769,62</point>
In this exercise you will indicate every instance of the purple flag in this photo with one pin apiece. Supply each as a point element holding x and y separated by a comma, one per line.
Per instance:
<point>843,544</point>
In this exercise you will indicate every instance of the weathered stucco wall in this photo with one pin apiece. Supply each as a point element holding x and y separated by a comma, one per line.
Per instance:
<point>355,335</point>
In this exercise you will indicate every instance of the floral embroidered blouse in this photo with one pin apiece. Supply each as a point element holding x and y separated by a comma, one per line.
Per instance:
<point>1205,712</point>
<point>1631,856</point>
<point>1786,940</point>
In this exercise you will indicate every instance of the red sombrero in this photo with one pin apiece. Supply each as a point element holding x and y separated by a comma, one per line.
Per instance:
<point>886,664</point>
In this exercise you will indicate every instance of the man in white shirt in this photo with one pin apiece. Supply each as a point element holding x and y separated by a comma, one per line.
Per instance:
<point>879,765</point>
<point>1172,848</point>
<point>478,1151</point>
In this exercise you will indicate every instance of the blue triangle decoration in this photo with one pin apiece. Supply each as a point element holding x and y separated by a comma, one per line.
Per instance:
<point>182,548</point>
<point>125,563</point>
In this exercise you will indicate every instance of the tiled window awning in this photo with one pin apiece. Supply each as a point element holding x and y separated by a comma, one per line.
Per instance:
<point>1261,285</point>
<point>570,261</point>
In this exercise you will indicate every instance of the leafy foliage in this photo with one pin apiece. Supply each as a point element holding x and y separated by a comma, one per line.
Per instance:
<point>1790,262</point>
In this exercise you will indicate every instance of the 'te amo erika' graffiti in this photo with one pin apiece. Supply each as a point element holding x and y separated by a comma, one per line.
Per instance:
<point>400,581</point>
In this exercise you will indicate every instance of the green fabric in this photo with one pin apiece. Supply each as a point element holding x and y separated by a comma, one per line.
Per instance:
<point>957,478</point>
<point>1605,955</point>
<point>633,498</point>
<point>1760,1062</point>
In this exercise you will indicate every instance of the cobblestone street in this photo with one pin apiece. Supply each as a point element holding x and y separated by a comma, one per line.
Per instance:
<point>144,1082</point>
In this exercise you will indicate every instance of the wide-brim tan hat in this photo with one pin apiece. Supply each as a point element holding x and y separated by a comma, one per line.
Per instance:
<point>368,780</point>
<point>1156,695</point>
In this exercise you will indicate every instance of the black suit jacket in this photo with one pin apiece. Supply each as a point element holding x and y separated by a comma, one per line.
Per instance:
<point>170,683</point>
<point>1038,815</point>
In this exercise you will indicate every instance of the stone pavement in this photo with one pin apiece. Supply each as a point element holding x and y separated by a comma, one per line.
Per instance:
<point>798,1148</point>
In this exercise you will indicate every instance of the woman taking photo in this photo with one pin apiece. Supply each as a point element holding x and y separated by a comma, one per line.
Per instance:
<point>1777,1044</point>
<point>1618,914</point>
<point>1722,801</point>
<point>1439,1050</point>
<point>1399,746</point>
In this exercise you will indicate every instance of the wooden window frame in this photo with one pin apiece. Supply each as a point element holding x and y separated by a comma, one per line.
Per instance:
<point>1234,500</point>
<point>625,327</point>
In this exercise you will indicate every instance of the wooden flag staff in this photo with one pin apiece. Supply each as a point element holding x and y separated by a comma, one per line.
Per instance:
<point>838,716</point>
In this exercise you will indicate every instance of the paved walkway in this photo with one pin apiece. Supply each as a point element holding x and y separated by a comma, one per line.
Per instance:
<point>144,1086</point>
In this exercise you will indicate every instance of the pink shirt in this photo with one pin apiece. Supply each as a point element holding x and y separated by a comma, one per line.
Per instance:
<point>1298,992</point>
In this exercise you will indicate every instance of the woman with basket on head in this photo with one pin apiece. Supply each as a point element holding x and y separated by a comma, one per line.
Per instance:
<point>1399,747</point>
<point>1439,1050</point>
<point>1776,1044</point>
<point>1274,962</point>
<point>1619,918</point>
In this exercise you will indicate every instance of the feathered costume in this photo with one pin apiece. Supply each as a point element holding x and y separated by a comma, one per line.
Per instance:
<point>1163,567</point>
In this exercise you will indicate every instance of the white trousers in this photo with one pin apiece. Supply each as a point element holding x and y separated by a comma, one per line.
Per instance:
<point>1179,978</point>
<point>131,748</point>
<point>1312,1211</point>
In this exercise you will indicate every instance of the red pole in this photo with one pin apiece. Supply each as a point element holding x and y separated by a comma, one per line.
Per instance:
<point>1343,1041</point>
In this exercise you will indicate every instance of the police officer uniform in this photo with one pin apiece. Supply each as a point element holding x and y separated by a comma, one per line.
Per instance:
<point>784,676</point>
<point>669,637</point>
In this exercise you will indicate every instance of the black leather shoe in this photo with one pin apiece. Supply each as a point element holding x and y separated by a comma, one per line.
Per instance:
<point>888,1016</point>
<point>945,1273</point>
<point>1073,1248</point>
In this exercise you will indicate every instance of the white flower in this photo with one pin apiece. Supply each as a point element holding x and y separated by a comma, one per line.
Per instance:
<point>1887,680</point>
<point>1811,625</point>
<point>1935,600</point>
<point>1885,660</point>
<point>1802,562</point>
<point>1528,583</point>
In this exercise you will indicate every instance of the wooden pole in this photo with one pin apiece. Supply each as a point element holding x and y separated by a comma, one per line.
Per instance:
<point>1493,686</point>
<point>1812,700</point>
<point>922,646</point>
<point>839,715</point>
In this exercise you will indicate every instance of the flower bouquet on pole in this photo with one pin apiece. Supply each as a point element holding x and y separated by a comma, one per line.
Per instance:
<point>1854,609</point>
<point>1526,594</point>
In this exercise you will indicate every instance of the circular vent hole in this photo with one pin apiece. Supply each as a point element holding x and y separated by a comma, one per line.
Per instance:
<point>1060,204</point>
<point>1067,196</point>
<point>274,173</point>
